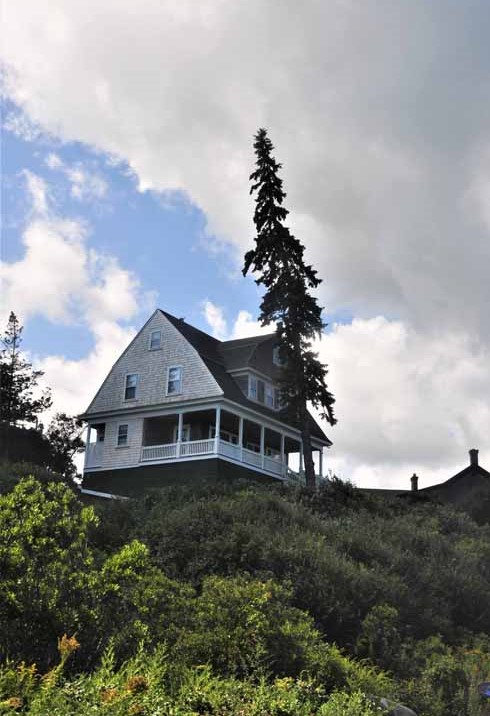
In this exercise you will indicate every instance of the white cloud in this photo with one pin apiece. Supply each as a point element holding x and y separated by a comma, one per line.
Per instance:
<point>60,278</point>
<point>53,161</point>
<point>215,318</point>
<point>85,185</point>
<point>244,324</point>
<point>376,149</point>
<point>405,402</point>
<point>37,191</point>
<point>75,382</point>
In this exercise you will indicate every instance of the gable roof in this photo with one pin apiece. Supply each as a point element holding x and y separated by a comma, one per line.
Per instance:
<point>222,356</point>
<point>471,478</point>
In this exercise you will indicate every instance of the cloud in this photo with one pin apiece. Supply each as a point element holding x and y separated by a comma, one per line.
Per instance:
<point>85,185</point>
<point>244,324</point>
<point>215,318</point>
<point>405,402</point>
<point>62,279</point>
<point>376,120</point>
<point>75,382</point>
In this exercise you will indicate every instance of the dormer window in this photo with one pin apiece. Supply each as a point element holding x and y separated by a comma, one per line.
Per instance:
<point>276,357</point>
<point>130,387</point>
<point>155,340</point>
<point>260,391</point>
<point>269,395</point>
<point>252,387</point>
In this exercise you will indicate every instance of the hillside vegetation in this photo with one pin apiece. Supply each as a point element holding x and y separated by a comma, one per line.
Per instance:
<point>240,599</point>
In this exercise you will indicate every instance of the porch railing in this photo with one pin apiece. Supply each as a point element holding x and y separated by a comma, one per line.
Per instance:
<point>194,448</point>
<point>93,454</point>
<point>173,450</point>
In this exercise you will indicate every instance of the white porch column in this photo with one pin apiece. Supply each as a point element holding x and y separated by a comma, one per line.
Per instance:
<point>217,425</point>
<point>283,467</point>
<point>301,460</point>
<point>179,433</point>
<point>240,436</point>
<point>87,446</point>
<point>321,462</point>
<point>262,443</point>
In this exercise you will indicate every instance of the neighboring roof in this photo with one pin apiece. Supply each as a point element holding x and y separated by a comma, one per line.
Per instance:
<point>454,490</point>
<point>222,356</point>
<point>471,479</point>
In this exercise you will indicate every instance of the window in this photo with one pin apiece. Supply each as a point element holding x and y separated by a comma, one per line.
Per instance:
<point>131,384</point>
<point>276,357</point>
<point>122,435</point>
<point>263,392</point>
<point>260,391</point>
<point>174,383</point>
<point>186,433</point>
<point>269,395</point>
<point>155,340</point>
<point>253,447</point>
<point>225,435</point>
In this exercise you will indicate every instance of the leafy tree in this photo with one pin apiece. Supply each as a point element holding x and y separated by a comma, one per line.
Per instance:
<point>18,380</point>
<point>65,441</point>
<point>287,301</point>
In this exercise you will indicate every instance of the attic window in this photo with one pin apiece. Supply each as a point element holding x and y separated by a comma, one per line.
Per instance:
<point>155,340</point>
<point>130,387</point>
<point>276,357</point>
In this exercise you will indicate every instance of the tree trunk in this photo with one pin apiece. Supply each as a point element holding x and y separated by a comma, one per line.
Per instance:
<point>310,477</point>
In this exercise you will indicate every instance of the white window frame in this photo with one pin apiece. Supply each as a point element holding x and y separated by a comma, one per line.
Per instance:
<point>224,435</point>
<point>276,358</point>
<point>119,426</point>
<point>181,379</point>
<point>269,390</point>
<point>135,397</point>
<point>252,380</point>
<point>186,432</point>
<point>159,346</point>
<point>269,393</point>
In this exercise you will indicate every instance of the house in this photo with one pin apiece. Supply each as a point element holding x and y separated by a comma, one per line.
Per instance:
<point>469,489</point>
<point>471,482</point>
<point>179,403</point>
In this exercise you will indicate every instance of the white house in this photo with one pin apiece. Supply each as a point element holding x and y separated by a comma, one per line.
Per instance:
<point>179,402</point>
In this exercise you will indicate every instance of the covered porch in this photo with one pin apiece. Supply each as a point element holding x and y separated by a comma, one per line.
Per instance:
<point>191,434</point>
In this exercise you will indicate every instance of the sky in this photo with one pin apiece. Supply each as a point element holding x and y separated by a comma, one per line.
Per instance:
<point>126,144</point>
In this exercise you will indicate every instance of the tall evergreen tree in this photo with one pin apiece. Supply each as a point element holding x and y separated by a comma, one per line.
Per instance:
<point>287,301</point>
<point>18,380</point>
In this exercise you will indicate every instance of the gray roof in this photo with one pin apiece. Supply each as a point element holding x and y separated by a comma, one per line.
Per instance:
<point>223,356</point>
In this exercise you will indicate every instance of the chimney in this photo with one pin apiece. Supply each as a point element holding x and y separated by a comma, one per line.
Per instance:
<point>415,482</point>
<point>474,457</point>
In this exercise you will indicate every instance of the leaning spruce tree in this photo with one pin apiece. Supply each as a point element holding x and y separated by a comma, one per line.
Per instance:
<point>278,260</point>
